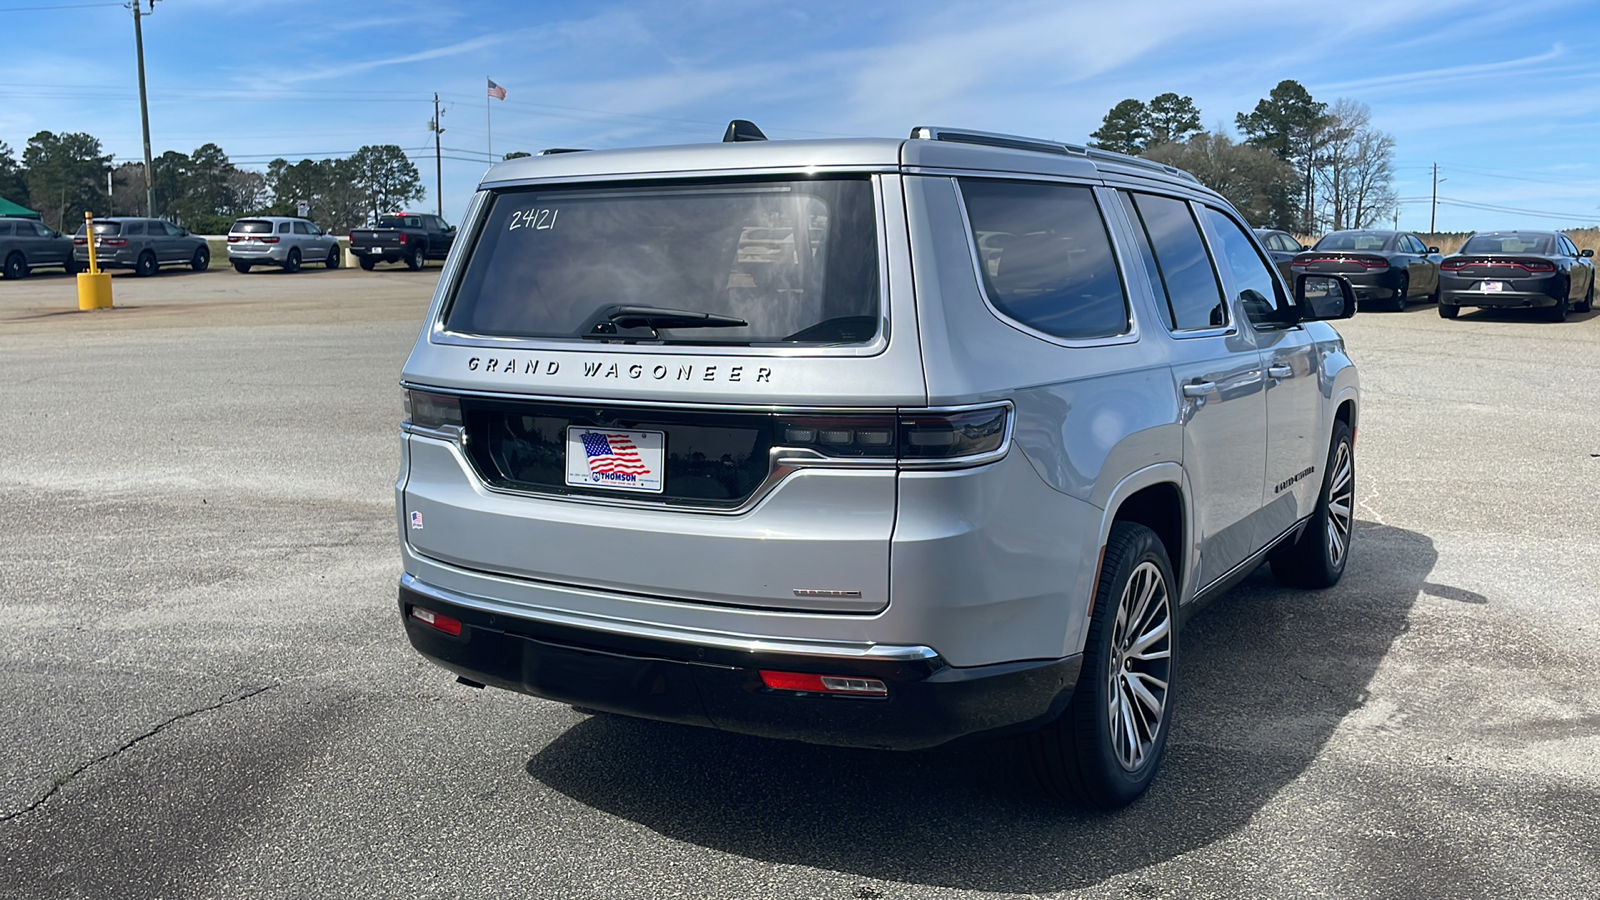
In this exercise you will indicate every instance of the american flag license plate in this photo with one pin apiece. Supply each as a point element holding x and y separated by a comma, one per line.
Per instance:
<point>616,460</point>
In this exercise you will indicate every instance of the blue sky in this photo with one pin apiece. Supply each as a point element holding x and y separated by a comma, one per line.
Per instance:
<point>1504,97</point>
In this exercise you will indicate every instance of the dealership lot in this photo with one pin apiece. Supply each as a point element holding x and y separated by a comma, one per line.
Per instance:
<point>208,692</point>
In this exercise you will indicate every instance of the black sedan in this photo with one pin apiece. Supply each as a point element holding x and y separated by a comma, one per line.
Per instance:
<point>1518,270</point>
<point>1386,268</point>
<point>1281,246</point>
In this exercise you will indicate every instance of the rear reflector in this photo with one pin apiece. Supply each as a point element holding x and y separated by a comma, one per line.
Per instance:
<point>438,620</point>
<point>823,684</point>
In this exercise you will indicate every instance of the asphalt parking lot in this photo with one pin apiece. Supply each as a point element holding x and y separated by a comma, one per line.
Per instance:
<point>208,694</point>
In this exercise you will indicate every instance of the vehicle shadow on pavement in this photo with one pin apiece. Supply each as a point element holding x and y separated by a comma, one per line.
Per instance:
<point>1269,672</point>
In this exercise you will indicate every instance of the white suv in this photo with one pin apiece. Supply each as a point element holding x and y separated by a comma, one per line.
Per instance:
<point>878,443</point>
<point>280,241</point>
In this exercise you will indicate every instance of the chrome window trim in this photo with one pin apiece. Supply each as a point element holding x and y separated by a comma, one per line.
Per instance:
<point>686,174</point>
<point>1128,337</point>
<point>781,461</point>
<point>438,334</point>
<point>691,637</point>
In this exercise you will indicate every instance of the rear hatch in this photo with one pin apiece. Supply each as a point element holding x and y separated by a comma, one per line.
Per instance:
<point>682,391</point>
<point>251,236</point>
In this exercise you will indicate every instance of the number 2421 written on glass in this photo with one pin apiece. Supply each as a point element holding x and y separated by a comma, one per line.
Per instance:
<point>537,219</point>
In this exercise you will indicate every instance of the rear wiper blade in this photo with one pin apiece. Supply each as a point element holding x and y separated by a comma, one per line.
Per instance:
<point>605,323</point>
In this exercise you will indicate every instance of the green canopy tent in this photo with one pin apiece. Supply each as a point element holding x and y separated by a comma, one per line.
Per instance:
<point>7,208</point>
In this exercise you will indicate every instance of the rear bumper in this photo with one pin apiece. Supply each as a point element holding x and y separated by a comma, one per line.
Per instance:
<point>715,681</point>
<point>386,254</point>
<point>1525,293</point>
<point>265,255</point>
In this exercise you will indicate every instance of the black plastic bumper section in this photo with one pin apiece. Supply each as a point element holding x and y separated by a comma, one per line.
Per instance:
<point>929,702</point>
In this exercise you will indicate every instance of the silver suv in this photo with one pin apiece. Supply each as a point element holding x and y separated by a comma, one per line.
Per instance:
<point>280,241</point>
<point>877,443</point>
<point>143,245</point>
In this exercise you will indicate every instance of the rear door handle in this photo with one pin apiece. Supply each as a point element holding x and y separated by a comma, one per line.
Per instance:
<point>1280,371</point>
<point>1199,389</point>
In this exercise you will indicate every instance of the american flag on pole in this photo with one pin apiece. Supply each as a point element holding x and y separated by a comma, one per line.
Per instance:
<point>612,454</point>
<point>496,91</point>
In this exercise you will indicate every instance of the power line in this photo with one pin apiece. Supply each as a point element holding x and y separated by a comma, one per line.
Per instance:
<point>5,9</point>
<point>1538,213</point>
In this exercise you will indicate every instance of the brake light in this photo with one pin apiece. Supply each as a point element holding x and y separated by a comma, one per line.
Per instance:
<point>113,242</point>
<point>810,683</point>
<point>425,410</point>
<point>438,620</point>
<point>926,437</point>
<point>234,238</point>
<point>1527,265</point>
<point>1453,265</point>
<point>268,240</point>
<point>78,241</point>
<point>1371,262</point>
<point>1536,265</point>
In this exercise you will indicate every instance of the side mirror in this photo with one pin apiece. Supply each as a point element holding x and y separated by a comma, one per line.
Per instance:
<point>1586,253</point>
<point>1433,249</point>
<point>1304,248</point>
<point>1324,297</point>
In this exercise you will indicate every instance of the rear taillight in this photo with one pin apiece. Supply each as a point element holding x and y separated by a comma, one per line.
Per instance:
<point>425,410</point>
<point>78,241</point>
<point>438,620</point>
<point>1453,265</point>
<point>268,240</point>
<point>113,242</point>
<point>1371,262</point>
<point>1536,265</point>
<point>931,437</point>
<point>809,683</point>
<point>234,238</point>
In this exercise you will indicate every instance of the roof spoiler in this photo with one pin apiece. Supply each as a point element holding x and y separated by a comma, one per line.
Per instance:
<point>741,130</point>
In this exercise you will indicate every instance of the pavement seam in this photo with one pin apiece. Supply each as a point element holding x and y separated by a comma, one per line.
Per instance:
<point>60,781</point>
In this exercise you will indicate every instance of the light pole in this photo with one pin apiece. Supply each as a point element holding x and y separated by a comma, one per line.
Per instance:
<point>144,111</point>
<point>438,169</point>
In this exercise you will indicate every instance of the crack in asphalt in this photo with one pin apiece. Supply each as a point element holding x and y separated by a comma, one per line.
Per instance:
<point>61,781</point>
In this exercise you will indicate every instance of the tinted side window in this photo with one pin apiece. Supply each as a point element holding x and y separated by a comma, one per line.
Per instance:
<point>5,229</point>
<point>133,228</point>
<point>38,229</point>
<point>1252,276</point>
<point>1194,298</point>
<point>300,228</point>
<point>1047,258</point>
<point>283,227</point>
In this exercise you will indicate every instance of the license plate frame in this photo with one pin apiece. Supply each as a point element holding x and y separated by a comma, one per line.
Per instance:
<point>616,459</point>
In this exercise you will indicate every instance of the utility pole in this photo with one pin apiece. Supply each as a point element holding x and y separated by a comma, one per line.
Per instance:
<point>438,168</point>
<point>1433,216</point>
<point>144,112</point>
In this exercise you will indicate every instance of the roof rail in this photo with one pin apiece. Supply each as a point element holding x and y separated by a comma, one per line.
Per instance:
<point>1040,145</point>
<point>554,150</point>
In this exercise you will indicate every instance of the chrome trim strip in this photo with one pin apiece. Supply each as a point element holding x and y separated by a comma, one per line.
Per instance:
<point>685,636</point>
<point>453,434</point>
<point>690,174</point>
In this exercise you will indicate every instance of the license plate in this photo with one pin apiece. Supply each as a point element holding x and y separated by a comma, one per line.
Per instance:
<point>1494,287</point>
<point>616,460</point>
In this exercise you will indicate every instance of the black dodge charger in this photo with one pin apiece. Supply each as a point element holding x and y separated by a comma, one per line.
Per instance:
<point>1518,270</point>
<point>1386,268</point>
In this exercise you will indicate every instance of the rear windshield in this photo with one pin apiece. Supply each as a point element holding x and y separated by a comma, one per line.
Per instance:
<point>1352,240</point>
<point>251,226</point>
<point>399,222</point>
<point>796,262</point>
<point>1507,243</point>
<point>104,228</point>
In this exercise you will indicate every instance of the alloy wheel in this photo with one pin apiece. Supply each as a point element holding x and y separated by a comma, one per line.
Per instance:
<point>1140,666</point>
<point>1341,500</point>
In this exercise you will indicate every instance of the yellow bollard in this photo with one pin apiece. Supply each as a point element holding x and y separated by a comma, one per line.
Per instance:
<point>94,286</point>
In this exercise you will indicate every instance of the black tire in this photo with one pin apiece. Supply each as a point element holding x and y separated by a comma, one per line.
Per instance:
<point>1557,313</point>
<point>1398,301</point>
<point>1105,749</point>
<point>1316,559</point>
<point>1446,311</point>
<point>415,257</point>
<point>201,260</point>
<point>243,268</point>
<point>292,264</point>
<point>367,262</point>
<point>1588,299</point>
<point>16,266</point>
<point>333,259</point>
<point>147,265</point>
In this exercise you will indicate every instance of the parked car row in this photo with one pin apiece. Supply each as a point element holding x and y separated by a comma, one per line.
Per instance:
<point>1540,270</point>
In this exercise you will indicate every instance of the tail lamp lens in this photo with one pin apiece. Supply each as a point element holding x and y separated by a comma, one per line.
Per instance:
<point>438,620</point>
<point>1537,265</point>
<point>425,410</point>
<point>811,683</point>
<point>907,436</point>
<point>113,242</point>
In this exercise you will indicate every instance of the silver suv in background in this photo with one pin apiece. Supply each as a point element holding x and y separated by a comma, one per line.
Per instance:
<point>875,443</point>
<point>143,245</point>
<point>28,244</point>
<point>281,241</point>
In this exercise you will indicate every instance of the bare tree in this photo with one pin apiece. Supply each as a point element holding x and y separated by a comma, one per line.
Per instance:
<point>1354,168</point>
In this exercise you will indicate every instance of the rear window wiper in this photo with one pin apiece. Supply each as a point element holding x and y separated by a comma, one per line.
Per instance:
<point>607,322</point>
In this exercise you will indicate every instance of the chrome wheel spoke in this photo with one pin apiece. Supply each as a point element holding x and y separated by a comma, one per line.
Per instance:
<point>1138,665</point>
<point>1147,699</point>
<point>1142,644</point>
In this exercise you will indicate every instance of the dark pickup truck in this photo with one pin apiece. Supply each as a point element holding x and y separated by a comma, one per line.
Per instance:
<point>409,237</point>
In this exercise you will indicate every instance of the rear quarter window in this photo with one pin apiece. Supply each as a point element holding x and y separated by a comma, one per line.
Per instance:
<point>1045,257</point>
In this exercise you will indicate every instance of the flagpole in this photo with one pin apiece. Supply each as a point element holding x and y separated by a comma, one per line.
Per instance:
<point>488,119</point>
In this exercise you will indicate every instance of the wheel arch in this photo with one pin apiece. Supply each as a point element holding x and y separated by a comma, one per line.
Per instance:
<point>1157,498</point>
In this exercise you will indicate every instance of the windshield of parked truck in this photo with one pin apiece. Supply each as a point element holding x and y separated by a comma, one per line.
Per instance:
<point>791,262</point>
